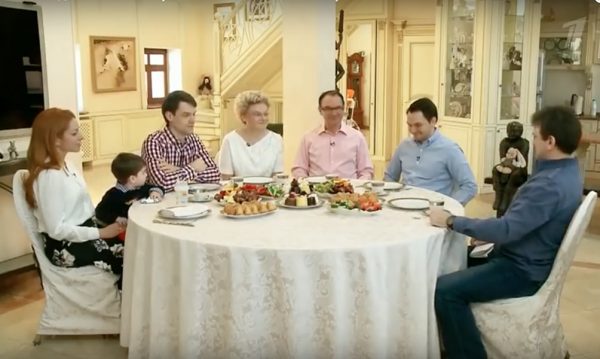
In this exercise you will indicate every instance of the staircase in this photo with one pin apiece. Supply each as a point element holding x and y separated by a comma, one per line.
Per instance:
<point>249,47</point>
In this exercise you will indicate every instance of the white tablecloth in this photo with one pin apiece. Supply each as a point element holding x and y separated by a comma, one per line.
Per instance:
<point>297,283</point>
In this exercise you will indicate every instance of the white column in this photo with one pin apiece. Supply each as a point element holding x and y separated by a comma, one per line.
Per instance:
<point>308,67</point>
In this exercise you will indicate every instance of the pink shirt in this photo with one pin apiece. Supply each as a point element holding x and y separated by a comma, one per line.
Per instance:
<point>344,154</point>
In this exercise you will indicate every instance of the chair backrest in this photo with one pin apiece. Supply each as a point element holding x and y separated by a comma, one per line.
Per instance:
<point>571,240</point>
<point>25,213</point>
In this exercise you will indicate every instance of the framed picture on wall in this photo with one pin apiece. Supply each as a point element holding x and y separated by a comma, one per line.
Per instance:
<point>221,11</point>
<point>113,64</point>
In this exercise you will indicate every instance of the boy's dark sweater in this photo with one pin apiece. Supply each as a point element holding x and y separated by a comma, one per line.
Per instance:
<point>117,200</point>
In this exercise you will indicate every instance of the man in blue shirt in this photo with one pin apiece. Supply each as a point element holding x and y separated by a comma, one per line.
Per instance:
<point>430,160</point>
<point>526,238</point>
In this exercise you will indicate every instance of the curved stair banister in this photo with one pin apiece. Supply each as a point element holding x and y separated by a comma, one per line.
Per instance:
<point>241,35</point>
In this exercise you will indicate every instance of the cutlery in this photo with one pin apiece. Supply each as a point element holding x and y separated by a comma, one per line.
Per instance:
<point>187,224</point>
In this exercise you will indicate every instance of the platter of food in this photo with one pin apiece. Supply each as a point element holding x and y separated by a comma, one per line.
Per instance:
<point>292,201</point>
<point>354,203</point>
<point>333,186</point>
<point>249,209</point>
<point>300,196</point>
<point>233,193</point>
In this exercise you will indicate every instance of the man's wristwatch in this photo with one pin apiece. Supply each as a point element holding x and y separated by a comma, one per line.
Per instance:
<point>450,222</point>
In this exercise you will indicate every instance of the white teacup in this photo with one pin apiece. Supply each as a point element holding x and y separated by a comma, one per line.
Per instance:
<point>201,196</point>
<point>436,202</point>
<point>378,187</point>
<point>237,180</point>
<point>281,178</point>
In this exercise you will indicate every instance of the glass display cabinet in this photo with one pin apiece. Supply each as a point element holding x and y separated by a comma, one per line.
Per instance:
<point>488,59</point>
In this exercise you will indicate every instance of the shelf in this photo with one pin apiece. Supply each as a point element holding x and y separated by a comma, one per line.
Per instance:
<point>459,69</point>
<point>463,17</point>
<point>466,43</point>
<point>565,67</point>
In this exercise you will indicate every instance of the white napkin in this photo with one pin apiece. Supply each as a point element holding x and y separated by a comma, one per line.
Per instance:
<point>482,251</point>
<point>184,211</point>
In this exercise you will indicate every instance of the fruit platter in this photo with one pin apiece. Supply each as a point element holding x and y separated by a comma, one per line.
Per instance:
<point>333,186</point>
<point>234,193</point>
<point>351,203</point>
<point>300,196</point>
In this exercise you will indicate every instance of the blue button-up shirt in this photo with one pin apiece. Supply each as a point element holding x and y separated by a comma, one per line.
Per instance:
<point>437,164</point>
<point>532,229</point>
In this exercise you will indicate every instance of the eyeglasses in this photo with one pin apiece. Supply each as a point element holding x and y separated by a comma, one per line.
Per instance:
<point>331,109</point>
<point>256,114</point>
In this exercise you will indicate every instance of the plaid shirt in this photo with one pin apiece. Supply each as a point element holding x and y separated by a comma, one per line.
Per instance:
<point>162,145</point>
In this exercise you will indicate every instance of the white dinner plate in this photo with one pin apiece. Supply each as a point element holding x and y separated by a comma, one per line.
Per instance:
<point>389,186</point>
<point>281,203</point>
<point>244,216</point>
<point>325,195</point>
<point>258,180</point>
<point>412,203</point>
<point>196,211</point>
<point>316,179</point>
<point>352,212</point>
<point>205,187</point>
<point>222,203</point>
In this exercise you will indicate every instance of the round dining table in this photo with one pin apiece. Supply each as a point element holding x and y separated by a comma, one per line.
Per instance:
<point>297,283</point>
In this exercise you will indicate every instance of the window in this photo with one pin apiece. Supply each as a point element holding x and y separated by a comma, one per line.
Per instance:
<point>157,79</point>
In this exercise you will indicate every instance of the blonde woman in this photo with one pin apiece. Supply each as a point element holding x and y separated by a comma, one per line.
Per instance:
<point>251,150</point>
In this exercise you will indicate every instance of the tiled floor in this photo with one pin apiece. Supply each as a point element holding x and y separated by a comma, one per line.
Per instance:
<point>21,298</point>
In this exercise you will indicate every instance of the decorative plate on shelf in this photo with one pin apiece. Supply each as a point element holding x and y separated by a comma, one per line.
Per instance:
<point>460,87</point>
<point>549,44</point>
<point>455,109</point>
<point>563,44</point>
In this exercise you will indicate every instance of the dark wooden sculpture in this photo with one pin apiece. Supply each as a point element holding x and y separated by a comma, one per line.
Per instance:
<point>506,182</point>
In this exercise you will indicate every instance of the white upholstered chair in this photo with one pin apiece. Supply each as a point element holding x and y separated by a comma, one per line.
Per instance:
<point>529,327</point>
<point>79,301</point>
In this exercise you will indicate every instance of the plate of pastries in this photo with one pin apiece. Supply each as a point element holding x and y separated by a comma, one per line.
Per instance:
<point>300,196</point>
<point>249,209</point>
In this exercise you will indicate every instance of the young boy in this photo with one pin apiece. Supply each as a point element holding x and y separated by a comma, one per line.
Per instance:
<point>130,171</point>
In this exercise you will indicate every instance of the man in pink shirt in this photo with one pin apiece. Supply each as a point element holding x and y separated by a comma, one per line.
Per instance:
<point>333,148</point>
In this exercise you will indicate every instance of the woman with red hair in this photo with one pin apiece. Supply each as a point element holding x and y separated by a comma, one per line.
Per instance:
<point>59,199</point>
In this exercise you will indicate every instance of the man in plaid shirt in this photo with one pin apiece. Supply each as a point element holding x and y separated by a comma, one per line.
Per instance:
<point>175,152</point>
